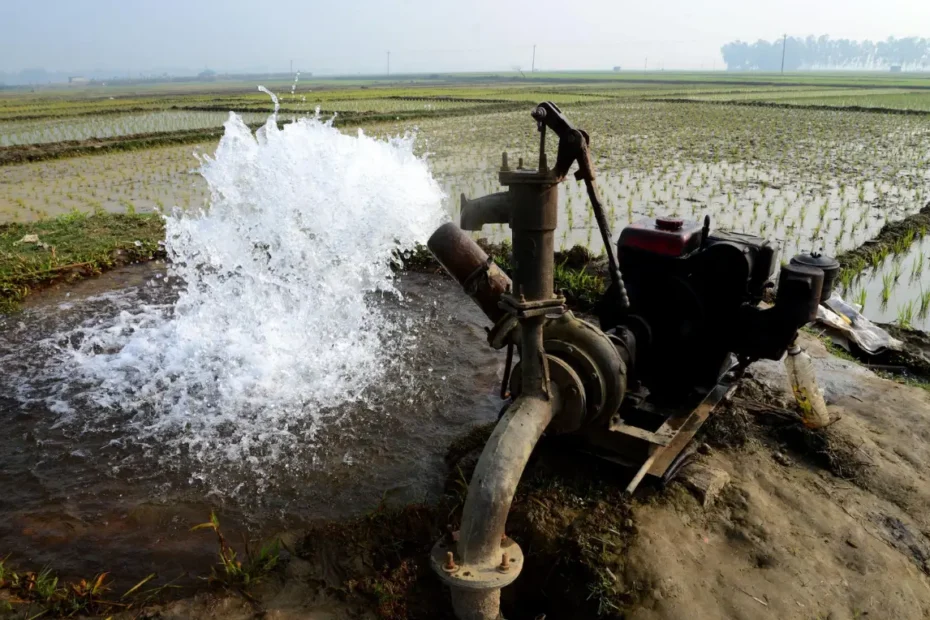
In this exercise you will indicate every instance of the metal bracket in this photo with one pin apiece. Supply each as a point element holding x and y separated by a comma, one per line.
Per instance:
<point>522,309</point>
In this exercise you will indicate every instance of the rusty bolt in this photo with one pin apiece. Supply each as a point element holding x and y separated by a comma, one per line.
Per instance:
<point>505,563</point>
<point>450,566</point>
<point>504,165</point>
<point>520,164</point>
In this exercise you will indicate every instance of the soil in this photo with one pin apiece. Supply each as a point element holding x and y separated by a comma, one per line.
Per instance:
<point>858,258</point>
<point>812,525</point>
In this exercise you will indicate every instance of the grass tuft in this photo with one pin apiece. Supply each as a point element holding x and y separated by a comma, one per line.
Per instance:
<point>72,246</point>
<point>234,573</point>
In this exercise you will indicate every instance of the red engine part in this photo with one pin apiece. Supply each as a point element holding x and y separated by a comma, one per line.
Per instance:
<point>663,235</point>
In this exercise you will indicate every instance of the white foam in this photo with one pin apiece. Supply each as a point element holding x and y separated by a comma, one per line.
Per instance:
<point>276,323</point>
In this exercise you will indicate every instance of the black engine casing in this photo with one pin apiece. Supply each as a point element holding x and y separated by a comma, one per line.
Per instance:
<point>694,300</point>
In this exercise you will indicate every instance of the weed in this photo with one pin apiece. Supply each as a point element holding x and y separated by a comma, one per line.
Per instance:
<point>42,588</point>
<point>234,573</point>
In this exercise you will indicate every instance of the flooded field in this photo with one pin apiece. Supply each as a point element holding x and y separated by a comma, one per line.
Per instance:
<point>109,126</point>
<point>897,290</point>
<point>90,500</point>
<point>809,179</point>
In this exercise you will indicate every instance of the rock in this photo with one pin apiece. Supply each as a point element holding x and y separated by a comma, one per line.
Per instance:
<point>704,482</point>
<point>32,239</point>
<point>781,459</point>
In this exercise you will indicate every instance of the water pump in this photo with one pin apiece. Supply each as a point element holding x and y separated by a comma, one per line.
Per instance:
<point>682,316</point>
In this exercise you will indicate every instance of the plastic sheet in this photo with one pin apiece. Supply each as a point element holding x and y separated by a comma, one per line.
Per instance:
<point>845,318</point>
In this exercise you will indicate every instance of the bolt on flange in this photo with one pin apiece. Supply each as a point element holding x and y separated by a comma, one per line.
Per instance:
<point>450,566</point>
<point>493,574</point>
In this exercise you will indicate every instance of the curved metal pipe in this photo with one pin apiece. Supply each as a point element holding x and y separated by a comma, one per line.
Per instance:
<point>490,495</point>
<point>490,209</point>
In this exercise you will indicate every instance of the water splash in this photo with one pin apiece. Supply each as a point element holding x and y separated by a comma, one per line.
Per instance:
<point>274,99</point>
<point>278,319</point>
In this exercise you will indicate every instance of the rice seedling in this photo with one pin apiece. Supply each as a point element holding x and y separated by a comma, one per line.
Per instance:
<point>905,315</point>
<point>887,284</point>
<point>917,267</point>
<point>924,304</point>
<point>896,271</point>
<point>861,298</point>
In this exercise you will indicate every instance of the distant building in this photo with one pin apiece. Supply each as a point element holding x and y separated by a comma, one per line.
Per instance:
<point>617,68</point>
<point>77,79</point>
<point>896,68</point>
<point>207,76</point>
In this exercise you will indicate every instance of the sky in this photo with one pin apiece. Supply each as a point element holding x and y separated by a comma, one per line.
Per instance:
<point>353,37</point>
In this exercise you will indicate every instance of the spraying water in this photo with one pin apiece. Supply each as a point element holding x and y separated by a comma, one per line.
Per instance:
<point>278,319</point>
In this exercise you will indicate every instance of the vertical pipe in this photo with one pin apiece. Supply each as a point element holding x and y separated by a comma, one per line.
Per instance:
<point>494,482</point>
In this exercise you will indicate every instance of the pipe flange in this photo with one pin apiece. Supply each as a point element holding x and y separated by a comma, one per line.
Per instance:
<point>570,414</point>
<point>490,576</point>
<point>586,368</point>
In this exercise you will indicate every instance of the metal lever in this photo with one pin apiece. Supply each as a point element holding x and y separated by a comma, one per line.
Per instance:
<point>573,146</point>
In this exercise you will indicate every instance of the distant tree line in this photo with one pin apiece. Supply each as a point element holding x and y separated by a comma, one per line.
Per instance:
<point>826,53</point>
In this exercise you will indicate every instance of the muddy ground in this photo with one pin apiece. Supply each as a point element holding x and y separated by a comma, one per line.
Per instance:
<point>811,525</point>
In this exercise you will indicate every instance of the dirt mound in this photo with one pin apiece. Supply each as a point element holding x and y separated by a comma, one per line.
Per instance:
<point>812,525</point>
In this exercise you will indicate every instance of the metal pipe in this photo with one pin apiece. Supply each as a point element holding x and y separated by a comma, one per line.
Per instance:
<point>490,495</point>
<point>465,261</point>
<point>490,209</point>
<point>501,465</point>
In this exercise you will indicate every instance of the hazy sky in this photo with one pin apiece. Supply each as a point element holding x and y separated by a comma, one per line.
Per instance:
<point>423,35</point>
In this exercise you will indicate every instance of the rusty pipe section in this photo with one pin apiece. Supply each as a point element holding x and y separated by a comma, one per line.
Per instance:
<point>490,495</point>
<point>490,209</point>
<point>465,261</point>
<point>482,560</point>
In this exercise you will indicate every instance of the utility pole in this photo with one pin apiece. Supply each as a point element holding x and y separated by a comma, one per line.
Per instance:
<point>389,63</point>
<point>533,67</point>
<point>645,64</point>
<point>292,66</point>
<point>784,44</point>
